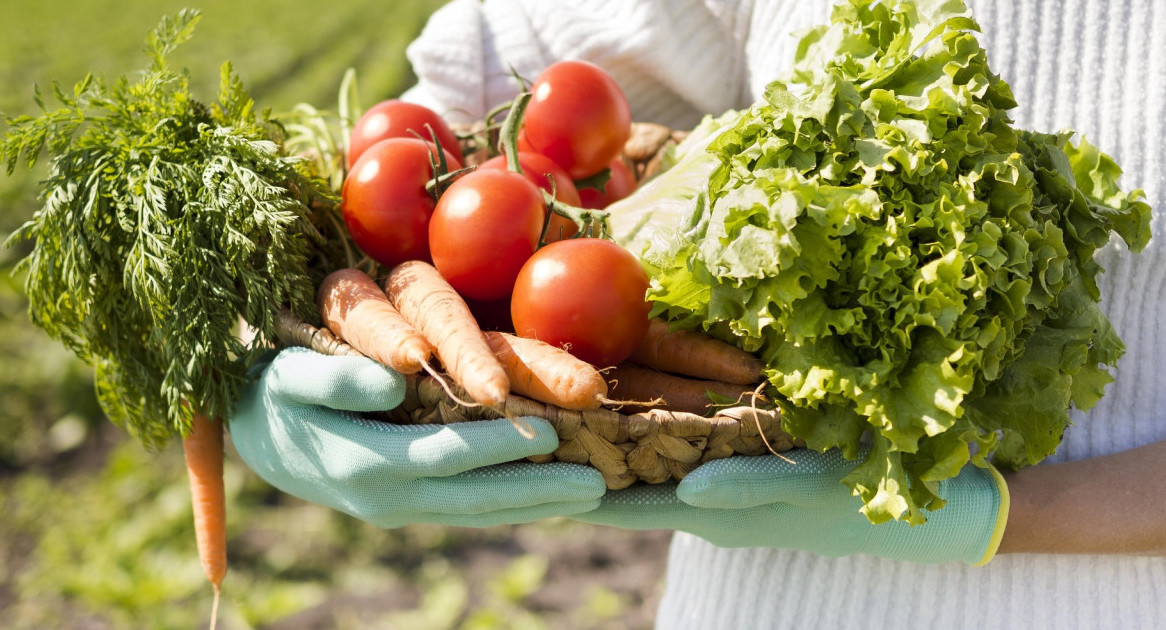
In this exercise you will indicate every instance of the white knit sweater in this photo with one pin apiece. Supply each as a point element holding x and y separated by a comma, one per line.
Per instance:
<point>1096,66</point>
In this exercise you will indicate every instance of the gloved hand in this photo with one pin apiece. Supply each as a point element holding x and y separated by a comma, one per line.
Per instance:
<point>764,501</point>
<point>295,428</point>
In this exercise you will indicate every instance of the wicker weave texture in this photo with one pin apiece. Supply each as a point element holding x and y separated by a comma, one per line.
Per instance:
<point>652,446</point>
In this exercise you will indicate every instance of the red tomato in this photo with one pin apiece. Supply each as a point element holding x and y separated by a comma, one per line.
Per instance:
<point>536,167</point>
<point>484,228</point>
<point>586,295</point>
<point>621,184</point>
<point>384,201</point>
<point>398,119</point>
<point>578,116</point>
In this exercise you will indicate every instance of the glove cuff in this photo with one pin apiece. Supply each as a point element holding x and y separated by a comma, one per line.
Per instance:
<point>967,529</point>
<point>1001,518</point>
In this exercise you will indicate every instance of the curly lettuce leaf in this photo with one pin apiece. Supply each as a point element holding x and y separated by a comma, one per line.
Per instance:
<point>916,272</point>
<point>665,199</point>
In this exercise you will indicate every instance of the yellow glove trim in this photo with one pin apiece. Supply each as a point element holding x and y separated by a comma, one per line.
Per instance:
<point>1001,518</point>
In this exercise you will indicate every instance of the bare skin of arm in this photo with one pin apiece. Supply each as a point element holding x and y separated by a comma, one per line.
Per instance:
<point>1114,504</point>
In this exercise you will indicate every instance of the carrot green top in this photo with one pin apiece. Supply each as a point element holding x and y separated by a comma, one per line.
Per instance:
<point>163,222</point>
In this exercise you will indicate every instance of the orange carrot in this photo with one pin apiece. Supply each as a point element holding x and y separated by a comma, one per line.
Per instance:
<point>630,382</point>
<point>548,374</point>
<point>203,449</point>
<point>693,353</point>
<point>427,302</point>
<point>355,309</point>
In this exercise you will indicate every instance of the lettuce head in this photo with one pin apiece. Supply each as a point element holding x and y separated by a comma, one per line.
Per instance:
<point>917,273</point>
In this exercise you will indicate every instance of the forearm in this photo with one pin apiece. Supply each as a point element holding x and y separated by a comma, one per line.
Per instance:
<point>1114,504</point>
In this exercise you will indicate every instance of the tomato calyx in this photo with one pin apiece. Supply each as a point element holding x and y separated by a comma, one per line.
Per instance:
<point>442,176</point>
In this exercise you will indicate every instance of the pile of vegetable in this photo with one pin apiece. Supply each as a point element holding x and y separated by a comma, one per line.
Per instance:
<point>502,240</point>
<point>909,276</point>
<point>168,224</point>
<point>916,272</point>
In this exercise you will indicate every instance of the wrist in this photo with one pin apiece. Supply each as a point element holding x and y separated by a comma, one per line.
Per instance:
<point>1108,504</point>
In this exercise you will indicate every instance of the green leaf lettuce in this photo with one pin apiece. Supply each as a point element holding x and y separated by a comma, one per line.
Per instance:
<point>916,272</point>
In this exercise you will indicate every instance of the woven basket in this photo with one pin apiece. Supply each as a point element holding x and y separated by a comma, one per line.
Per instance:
<point>652,446</point>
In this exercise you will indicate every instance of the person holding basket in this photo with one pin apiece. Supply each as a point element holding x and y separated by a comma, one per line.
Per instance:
<point>766,542</point>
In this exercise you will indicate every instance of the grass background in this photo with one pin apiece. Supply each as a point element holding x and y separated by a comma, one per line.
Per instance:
<point>96,531</point>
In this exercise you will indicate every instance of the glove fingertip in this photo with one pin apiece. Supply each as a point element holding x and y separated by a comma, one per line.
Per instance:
<point>459,447</point>
<point>695,490</point>
<point>576,481</point>
<point>512,438</point>
<point>376,388</point>
<point>544,439</point>
<point>724,484</point>
<point>349,383</point>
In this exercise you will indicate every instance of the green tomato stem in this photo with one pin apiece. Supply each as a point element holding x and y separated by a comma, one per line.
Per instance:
<point>438,184</point>
<point>508,135</point>
<point>590,222</point>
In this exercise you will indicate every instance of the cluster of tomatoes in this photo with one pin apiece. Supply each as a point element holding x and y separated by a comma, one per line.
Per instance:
<point>490,232</point>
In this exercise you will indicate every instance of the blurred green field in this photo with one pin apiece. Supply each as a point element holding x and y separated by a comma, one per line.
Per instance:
<point>96,531</point>
<point>284,52</point>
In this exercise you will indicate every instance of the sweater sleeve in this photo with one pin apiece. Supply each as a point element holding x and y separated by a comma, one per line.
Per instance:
<point>675,59</point>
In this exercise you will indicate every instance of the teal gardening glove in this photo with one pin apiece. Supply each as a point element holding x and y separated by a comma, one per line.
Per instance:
<point>764,501</point>
<point>296,427</point>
